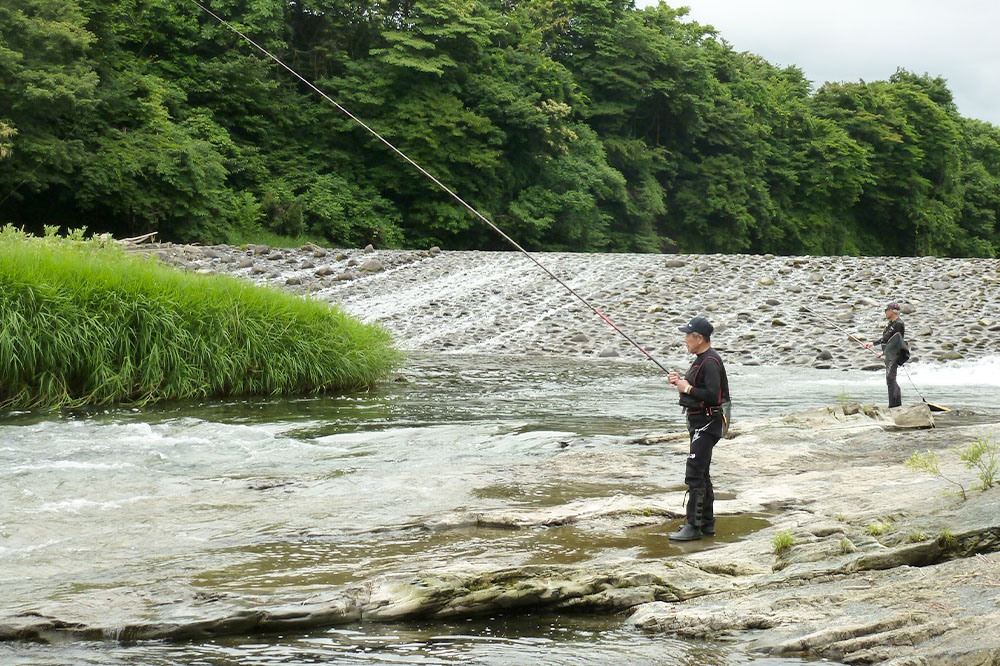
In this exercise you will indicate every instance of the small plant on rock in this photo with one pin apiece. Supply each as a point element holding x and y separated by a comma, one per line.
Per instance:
<point>844,398</point>
<point>782,542</point>
<point>983,455</point>
<point>947,540</point>
<point>877,528</point>
<point>916,536</point>
<point>929,462</point>
<point>846,546</point>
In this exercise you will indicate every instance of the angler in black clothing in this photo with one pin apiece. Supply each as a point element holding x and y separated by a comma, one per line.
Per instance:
<point>891,347</point>
<point>704,395</point>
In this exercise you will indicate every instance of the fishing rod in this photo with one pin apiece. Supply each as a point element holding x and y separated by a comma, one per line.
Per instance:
<point>842,330</point>
<point>437,182</point>
<point>937,408</point>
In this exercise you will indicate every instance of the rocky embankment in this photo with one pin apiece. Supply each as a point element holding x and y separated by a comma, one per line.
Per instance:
<point>500,302</point>
<point>881,565</point>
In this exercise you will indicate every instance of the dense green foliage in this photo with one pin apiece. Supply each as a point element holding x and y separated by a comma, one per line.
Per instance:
<point>85,323</point>
<point>574,124</point>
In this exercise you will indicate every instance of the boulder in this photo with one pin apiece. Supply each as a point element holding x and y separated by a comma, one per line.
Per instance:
<point>912,416</point>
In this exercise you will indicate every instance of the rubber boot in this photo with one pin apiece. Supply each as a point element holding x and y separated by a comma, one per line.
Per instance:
<point>686,533</point>
<point>708,513</point>
<point>692,528</point>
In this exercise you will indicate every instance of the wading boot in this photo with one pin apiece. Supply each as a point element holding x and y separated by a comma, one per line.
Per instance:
<point>708,512</point>
<point>687,533</point>
<point>695,508</point>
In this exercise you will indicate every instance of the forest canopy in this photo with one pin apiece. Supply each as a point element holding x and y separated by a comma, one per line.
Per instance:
<point>581,125</point>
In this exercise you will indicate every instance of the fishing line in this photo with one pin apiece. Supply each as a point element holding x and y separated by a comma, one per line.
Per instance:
<point>437,182</point>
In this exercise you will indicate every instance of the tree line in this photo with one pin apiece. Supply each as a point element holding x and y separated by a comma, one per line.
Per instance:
<point>580,125</point>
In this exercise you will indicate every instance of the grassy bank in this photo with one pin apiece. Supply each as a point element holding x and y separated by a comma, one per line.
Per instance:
<point>84,323</point>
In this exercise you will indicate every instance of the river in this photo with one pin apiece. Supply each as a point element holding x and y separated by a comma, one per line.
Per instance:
<point>123,515</point>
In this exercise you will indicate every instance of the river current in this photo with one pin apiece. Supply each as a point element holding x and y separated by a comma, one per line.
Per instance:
<point>112,516</point>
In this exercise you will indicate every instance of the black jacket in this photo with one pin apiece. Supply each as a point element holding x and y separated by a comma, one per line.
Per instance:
<point>891,329</point>
<point>707,376</point>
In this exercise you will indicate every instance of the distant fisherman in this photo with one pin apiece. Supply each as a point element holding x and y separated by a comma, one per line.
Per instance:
<point>894,352</point>
<point>704,391</point>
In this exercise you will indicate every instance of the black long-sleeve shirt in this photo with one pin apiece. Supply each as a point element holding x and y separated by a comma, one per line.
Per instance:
<point>710,385</point>
<point>891,329</point>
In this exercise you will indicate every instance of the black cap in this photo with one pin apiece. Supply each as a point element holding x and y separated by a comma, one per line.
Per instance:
<point>892,306</point>
<point>698,325</point>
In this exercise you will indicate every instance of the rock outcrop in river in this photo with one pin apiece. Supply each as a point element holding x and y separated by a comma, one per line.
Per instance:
<point>884,567</point>
<point>500,302</point>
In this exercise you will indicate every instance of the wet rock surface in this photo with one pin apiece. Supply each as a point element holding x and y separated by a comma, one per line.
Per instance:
<point>884,567</point>
<point>499,302</point>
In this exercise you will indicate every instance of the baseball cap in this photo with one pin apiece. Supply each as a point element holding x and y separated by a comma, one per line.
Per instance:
<point>698,325</point>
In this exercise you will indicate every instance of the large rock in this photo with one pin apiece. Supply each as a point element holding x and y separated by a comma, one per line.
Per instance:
<point>912,416</point>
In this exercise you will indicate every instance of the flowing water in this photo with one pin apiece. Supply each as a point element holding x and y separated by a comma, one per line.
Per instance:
<point>115,516</point>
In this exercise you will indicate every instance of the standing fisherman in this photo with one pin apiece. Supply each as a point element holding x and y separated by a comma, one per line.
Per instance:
<point>703,390</point>
<point>893,345</point>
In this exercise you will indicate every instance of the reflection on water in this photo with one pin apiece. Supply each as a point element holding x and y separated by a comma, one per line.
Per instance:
<point>110,515</point>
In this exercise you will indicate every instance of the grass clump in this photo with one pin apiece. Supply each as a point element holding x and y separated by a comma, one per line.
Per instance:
<point>947,540</point>
<point>916,536</point>
<point>83,322</point>
<point>782,542</point>
<point>877,528</point>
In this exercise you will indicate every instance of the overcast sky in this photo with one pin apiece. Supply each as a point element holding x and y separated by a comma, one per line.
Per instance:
<point>850,40</point>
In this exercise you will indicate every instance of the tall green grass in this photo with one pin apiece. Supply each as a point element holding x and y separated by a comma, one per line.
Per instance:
<point>84,323</point>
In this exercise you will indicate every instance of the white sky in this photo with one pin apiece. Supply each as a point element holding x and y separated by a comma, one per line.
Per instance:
<point>850,40</point>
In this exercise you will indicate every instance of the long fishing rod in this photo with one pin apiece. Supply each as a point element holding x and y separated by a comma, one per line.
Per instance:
<point>842,330</point>
<point>858,340</point>
<point>437,182</point>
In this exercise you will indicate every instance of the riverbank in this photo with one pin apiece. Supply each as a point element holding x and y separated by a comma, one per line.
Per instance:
<point>501,303</point>
<point>884,567</point>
